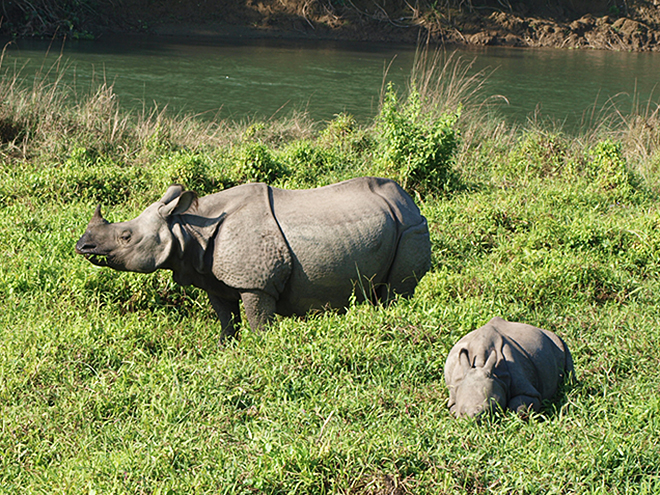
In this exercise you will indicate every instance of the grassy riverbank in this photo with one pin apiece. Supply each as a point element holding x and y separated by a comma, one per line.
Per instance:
<point>115,382</point>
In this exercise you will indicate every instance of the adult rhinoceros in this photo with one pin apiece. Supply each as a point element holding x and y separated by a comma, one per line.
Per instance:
<point>279,251</point>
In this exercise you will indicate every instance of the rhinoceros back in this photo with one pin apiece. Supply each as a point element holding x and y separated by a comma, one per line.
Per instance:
<point>347,237</point>
<point>249,250</point>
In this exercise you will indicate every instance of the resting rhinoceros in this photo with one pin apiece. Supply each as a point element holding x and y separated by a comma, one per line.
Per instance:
<point>279,251</point>
<point>511,365</point>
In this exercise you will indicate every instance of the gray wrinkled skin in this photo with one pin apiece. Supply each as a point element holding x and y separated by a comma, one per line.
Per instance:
<point>505,365</point>
<point>279,251</point>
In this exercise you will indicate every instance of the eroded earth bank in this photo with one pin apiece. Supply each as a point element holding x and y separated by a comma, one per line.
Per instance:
<point>600,24</point>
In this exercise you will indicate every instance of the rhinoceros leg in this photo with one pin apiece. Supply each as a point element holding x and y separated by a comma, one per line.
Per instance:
<point>228,312</point>
<point>259,308</point>
<point>524,403</point>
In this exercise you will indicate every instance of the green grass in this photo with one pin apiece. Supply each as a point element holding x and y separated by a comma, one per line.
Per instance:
<point>117,383</point>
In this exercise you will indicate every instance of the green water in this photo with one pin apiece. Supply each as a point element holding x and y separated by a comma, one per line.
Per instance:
<point>266,78</point>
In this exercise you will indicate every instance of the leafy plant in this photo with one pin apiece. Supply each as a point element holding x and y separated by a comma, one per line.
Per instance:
<point>416,151</point>
<point>85,174</point>
<point>308,162</point>
<point>192,171</point>
<point>256,163</point>
<point>608,166</point>
<point>536,154</point>
<point>344,134</point>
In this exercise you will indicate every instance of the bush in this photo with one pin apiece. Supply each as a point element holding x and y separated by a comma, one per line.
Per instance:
<point>87,175</point>
<point>537,154</point>
<point>192,171</point>
<point>344,134</point>
<point>608,167</point>
<point>416,151</point>
<point>308,162</point>
<point>255,163</point>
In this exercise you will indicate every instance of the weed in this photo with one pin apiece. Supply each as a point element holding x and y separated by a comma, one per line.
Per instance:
<point>417,152</point>
<point>256,163</point>
<point>537,154</point>
<point>608,166</point>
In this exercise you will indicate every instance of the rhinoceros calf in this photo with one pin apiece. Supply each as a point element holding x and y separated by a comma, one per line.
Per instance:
<point>511,365</point>
<point>279,251</point>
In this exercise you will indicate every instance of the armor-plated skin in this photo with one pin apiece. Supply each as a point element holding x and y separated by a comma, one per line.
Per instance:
<point>505,364</point>
<point>279,251</point>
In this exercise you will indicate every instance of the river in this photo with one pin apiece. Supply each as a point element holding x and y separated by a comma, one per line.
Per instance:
<point>270,78</point>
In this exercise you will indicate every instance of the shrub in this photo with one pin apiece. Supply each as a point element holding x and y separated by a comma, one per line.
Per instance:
<point>416,151</point>
<point>344,134</point>
<point>87,175</point>
<point>192,171</point>
<point>537,154</point>
<point>608,166</point>
<point>255,163</point>
<point>308,162</point>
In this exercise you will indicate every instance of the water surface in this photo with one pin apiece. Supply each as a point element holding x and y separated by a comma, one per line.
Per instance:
<point>270,78</point>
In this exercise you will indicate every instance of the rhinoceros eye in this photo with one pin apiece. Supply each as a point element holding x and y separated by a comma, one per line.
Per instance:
<point>125,236</point>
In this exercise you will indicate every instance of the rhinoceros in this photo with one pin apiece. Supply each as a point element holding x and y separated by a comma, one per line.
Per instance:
<point>279,251</point>
<point>505,364</point>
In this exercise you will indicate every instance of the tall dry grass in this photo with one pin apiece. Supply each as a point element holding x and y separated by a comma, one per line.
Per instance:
<point>448,83</point>
<point>639,132</point>
<point>41,115</point>
<point>42,118</point>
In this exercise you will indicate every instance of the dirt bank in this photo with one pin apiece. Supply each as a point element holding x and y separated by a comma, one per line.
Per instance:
<point>600,24</point>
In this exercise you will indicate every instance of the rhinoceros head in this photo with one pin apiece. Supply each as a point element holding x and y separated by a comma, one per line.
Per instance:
<point>139,245</point>
<point>479,392</point>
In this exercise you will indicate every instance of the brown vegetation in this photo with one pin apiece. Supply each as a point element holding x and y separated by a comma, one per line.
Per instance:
<point>601,24</point>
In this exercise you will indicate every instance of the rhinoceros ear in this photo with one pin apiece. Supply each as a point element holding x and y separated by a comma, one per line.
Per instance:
<point>491,361</point>
<point>178,205</point>
<point>464,361</point>
<point>174,191</point>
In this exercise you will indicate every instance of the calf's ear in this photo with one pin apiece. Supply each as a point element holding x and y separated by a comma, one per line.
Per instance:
<point>174,191</point>
<point>491,361</point>
<point>178,205</point>
<point>464,361</point>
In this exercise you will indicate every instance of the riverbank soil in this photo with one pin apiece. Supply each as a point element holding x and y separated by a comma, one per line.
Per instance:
<point>600,24</point>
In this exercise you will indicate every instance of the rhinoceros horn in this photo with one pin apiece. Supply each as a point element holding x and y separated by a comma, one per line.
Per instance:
<point>97,218</point>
